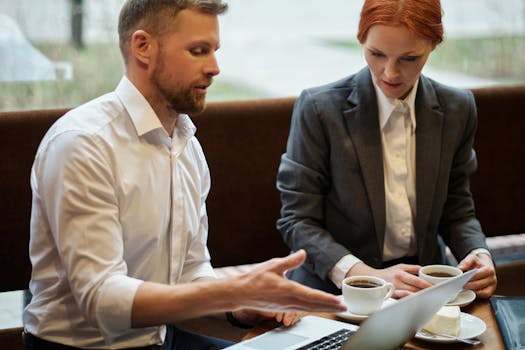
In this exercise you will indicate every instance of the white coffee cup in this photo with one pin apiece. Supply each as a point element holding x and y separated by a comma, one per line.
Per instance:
<point>364,295</point>
<point>439,273</point>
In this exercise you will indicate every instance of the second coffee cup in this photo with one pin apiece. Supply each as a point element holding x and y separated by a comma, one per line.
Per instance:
<point>365,294</point>
<point>439,273</point>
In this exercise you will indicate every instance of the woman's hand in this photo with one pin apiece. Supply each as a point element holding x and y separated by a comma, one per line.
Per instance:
<point>484,281</point>
<point>402,276</point>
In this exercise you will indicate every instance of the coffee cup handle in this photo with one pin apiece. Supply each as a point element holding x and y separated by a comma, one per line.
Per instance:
<point>391,290</point>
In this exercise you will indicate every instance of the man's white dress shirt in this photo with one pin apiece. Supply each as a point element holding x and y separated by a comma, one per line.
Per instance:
<point>116,201</point>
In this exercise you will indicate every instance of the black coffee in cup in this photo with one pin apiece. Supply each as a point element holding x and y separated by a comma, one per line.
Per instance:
<point>439,274</point>
<point>363,284</point>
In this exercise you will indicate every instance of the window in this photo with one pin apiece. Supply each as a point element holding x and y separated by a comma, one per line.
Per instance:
<point>61,53</point>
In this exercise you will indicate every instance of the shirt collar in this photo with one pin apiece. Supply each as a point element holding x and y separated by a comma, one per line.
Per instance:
<point>184,128</point>
<point>386,105</point>
<point>144,117</point>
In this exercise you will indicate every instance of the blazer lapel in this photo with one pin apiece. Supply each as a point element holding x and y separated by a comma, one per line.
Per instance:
<point>429,125</point>
<point>363,127</point>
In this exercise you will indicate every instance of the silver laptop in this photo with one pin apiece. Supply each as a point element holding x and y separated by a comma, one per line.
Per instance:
<point>388,328</point>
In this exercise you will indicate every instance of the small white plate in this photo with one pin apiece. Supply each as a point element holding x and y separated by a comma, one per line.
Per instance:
<point>347,315</point>
<point>465,297</point>
<point>471,327</point>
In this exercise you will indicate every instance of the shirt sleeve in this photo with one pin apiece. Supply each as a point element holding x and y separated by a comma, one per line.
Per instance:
<point>197,261</point>
<point>76,186</point>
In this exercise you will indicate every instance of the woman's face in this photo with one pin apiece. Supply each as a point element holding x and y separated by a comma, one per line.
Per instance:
<point>395,57</point>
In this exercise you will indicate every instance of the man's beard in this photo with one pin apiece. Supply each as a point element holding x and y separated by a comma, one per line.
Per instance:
<point>180,99</point>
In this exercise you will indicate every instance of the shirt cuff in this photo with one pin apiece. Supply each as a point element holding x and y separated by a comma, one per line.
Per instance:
<point>114,306</point>
<point>198,271</point>
<point>339,271</point>
<point>481,251</point>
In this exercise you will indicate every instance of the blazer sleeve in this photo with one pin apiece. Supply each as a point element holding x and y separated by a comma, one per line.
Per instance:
<point>303,180</point>
<point>459,226</point>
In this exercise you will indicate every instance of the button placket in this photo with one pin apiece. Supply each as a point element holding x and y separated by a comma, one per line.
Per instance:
<point>178,241</point>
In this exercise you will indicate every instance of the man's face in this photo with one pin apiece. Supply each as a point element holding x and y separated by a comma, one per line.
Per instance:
<point>186,62</point>
<point>395,57</point>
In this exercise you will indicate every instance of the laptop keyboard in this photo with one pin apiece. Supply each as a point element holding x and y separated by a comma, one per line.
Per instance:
<point>332,341</point>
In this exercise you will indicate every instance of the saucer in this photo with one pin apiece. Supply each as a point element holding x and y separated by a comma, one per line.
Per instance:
<point>471,327</point>
<point>349,316</point>
<point>465,297</point>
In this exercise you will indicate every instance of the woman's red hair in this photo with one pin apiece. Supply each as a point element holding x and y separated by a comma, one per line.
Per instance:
<point>422,17</point>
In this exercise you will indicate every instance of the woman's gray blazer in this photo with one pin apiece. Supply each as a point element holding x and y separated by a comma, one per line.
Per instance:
<point>331,176</point>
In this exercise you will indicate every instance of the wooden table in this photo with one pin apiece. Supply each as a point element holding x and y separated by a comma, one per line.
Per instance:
<point>491,339</point>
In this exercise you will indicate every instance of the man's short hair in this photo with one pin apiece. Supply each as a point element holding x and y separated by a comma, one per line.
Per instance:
<point>154,15</point>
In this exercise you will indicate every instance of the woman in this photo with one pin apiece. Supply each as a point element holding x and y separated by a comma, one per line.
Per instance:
<point>375,178</point>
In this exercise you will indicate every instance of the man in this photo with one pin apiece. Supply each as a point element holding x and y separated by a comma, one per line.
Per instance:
<point>119,224</point>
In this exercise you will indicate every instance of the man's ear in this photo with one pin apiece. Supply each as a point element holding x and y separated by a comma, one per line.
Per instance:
<point>142,46</point>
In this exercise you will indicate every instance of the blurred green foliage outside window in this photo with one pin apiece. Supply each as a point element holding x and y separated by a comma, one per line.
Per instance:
<point>61,53</point>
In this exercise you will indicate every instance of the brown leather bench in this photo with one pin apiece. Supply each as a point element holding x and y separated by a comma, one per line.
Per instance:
<point>243,142</point>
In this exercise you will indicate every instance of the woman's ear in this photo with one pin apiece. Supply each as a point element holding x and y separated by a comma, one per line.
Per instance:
<point>142,46</point>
